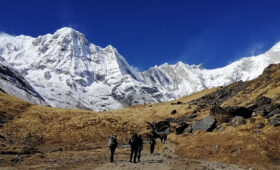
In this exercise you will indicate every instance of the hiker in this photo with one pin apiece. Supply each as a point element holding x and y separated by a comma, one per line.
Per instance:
<point>161,138</point>
<point>112,145</point>
<point>164,138</point>
<point>140,146</point>
<point>152,144</point>
<point>133,147</point>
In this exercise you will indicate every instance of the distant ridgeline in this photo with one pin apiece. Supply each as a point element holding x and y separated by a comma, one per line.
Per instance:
<point>65,70</point>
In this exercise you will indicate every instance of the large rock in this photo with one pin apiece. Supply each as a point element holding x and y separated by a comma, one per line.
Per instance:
<point>159,127</point>
<point>237,120</point>
<point>207,124</point>
<point>273,112</point>
<point>275,121</point>
<point>181,128</point>
<point>225,115</point>
<point>263,101</point>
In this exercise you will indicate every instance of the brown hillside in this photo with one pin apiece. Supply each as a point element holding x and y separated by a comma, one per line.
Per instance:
<point>47,137</point>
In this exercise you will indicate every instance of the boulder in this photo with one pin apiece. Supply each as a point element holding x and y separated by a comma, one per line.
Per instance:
<point>188,129</point>
<point>254,114</point>
<point>181,128</point>
<point>179,102</point>
<point>170,119</point>
<point>16,159</point>
<point>257,132</point>
<point>260,125</point>
<point>273,112</point>
<point>220,129</point>
<point>237,120</point>
<point>263,101</point>
<point>275,121</point>
<point>262,110</point>
<point>225,115</point>
<point>173,112</point>
<point>238,111</point>
<point>207,124</point>
<point>158,127</point>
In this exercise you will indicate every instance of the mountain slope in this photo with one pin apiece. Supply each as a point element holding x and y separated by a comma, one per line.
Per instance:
<point>70,72</point>
<point>47,137</point>
<point>181,79</point>
<point>14,84</point>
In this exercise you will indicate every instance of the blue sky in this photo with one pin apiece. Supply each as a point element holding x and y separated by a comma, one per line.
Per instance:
<point>152,32</point>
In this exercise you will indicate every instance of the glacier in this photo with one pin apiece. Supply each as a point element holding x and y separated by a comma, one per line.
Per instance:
<point>70,72</point>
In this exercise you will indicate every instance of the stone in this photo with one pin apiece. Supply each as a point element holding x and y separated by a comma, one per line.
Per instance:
<point>188,129</point>
<point>260,125</point>
<point>214,146</point>
<point>181,128</point>
<point>275,121</point>
<point>173,112</point>
<point>252,120</point>
<point>16,159</point>
<point>273,112</point>
<point>235,150</point>
<point>257,132</point>
<point>238,111</point>
<point>224,115</point>
<point>260,111</point>
<point>207,124</point>
<point>263,101</point>
<point>237,120</point>
<point>170,119</point>
<point>220,129</point>
<point>179,102</point>
<point>158,127</point>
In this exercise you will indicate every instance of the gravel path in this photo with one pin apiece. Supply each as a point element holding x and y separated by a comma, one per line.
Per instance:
<point>163,160</point>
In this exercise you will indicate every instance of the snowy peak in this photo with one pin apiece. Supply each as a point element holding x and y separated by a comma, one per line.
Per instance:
<point>71,72</point>
<point>275,48</point>
<point>68,71</point>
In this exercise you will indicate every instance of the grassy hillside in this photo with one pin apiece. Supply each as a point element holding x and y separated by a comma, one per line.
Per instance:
<point>66,137</point>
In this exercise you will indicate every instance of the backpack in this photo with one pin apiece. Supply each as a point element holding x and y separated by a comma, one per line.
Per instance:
<point>112,142</point>
<point>132,140</point>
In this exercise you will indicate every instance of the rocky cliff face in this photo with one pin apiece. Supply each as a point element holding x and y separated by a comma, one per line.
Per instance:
<point>68,71</point>
<point>13,83</point>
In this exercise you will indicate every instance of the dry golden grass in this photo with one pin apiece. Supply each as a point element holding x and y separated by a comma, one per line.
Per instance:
<point>235,145</point>
<point>79,130</point>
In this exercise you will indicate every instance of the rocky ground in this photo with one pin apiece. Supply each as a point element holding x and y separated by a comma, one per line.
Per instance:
<point>163,158</point>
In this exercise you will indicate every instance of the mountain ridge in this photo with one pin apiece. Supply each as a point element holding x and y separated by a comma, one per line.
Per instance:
<point>69,71</point>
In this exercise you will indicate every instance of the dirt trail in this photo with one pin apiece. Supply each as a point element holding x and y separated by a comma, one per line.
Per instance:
<point>161,160</point>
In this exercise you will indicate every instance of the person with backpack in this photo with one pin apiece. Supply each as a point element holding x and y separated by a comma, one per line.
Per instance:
<point>165,138</point>
<point>133,147</point>
<point>112,145</point>
<point>140,146</point>
<point>152,144</point>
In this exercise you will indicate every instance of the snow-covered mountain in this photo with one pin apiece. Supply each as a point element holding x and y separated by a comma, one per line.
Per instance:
<point>13,83</point>
<point>181,79</point>
<point>68,71</point>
